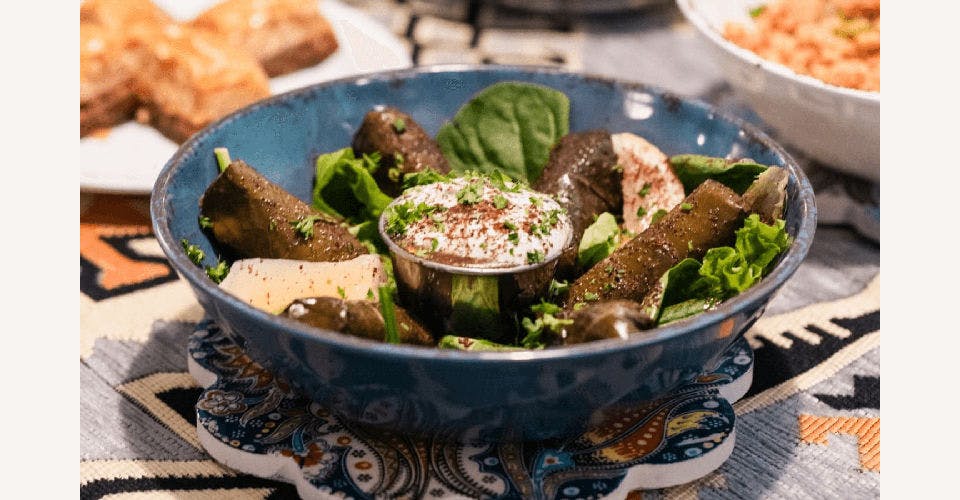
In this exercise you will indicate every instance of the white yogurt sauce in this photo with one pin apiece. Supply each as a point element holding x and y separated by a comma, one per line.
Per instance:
<point>470,222</point>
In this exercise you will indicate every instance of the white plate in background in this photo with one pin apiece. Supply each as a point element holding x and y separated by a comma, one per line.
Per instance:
<point>129,157</point>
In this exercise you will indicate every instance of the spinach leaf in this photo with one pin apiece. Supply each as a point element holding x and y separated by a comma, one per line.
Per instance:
<point>344,187</point>
<point>599,240</point>
<point>692,170</point>
<point>509,126</point>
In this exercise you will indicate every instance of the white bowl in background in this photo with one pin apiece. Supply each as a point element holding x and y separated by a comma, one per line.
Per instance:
<point>837,126</point>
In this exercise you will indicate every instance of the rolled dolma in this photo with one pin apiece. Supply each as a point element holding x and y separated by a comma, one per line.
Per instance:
<point>611,319</point>
<point>253,217</point>
<point>403,145</point>
<point>707,218</point>
<point>581,171</point>
<point>360,318</point>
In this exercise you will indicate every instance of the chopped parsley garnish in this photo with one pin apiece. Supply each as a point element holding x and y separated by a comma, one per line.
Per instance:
<point>219,272</point>
<point>499,202</point>
<point>434,243</point>
<point>370,295</point>
<point>608,269</point>
<point>617,168</point>
<point>341,292</point>
<point>607,287</point>
<point>205,222</point>
<point>591,297</point>
<point>535,257</point>
<point>657,215</point>
<point>371,161</point>
<point>641,211</point>
<point>509,225</point>
<point>437,222</point>
<point>403,214</point>
<point>535,201</point>
<point>194,253</point>
<point>471,193</point>
<point>579,305</point>
<point>645,190</point>
<point>690,245</point>
<point>399,125</point>
<point>423,177</point>
<point>757,11</point>
<point>558,288</point>
<point>273,225</point>
<point>304,225</point>
<point>686,207</point>
<point>514,238</point>
<point>545,307</point>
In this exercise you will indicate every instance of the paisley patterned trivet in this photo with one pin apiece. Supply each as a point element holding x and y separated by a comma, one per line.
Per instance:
<point>255,423</point>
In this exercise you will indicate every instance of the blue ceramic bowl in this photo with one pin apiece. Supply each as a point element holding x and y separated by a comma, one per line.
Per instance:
<point>490,396</point>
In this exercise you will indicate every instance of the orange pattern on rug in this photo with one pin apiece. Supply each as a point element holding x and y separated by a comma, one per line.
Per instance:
<point>814,430</point>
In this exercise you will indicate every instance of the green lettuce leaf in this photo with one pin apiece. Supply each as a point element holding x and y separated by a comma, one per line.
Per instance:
<point>345,188</point>
<point>508,126</point>
<point>692,170</point>
<point>472,344</point>
<point>599,240</point>
<point>476,305</point>
<point>691,287</point>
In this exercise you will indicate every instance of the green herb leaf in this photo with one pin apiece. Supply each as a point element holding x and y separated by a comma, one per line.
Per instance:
<point>399,125</point>
<point>194,253</point>
<point>686,207</point>
<point>341,292</point>
<point>423,177</point>
<point>345,187</point>
<point>205,222</point>
<point>558,288</point>
<point>499,202</point>
<point>509,126</point>
<point>599,240</point>
<point>757,11</point>
<point>657,215</point>
<point>645,190</point>
<point>304,225</point>
<point>219,272</point>
<point>692,170</point>
<point>641,211</point>
<point>591,297</point>
<point>535,257</point>
<point>471,193</point>
<point>403,214</point>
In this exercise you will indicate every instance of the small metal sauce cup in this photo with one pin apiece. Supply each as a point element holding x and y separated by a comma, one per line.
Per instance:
<point>429,289</point>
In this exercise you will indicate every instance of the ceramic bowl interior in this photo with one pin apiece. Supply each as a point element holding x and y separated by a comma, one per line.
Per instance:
<point>840,127</point>
<point>471,395</point>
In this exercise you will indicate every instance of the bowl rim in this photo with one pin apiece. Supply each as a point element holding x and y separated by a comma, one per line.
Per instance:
<point>196,276</point>
<point>696,18</point>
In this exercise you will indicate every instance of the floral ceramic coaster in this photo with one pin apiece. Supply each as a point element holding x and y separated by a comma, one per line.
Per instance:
<point>255,423</point>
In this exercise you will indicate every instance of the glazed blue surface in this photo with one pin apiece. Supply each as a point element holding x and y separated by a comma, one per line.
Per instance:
<point>495,396</point>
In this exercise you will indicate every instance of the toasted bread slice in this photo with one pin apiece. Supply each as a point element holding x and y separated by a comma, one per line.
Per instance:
<point>283,35</point>
<point>106,87</point>
<point>188,78</point>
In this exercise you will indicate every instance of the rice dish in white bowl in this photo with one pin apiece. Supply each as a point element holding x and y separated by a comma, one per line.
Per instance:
<point>837,126</point>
